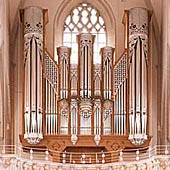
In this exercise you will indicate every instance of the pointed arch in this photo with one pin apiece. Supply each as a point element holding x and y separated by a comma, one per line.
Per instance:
<point>101,5</point>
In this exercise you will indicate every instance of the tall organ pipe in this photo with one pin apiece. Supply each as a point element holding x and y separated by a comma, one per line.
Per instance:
<point>74,118</point>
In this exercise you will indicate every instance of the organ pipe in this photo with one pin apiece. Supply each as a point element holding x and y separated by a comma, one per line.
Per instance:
<point>97,121</point>
<point>74,120</point>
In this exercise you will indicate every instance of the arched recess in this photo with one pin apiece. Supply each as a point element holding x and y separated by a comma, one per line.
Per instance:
<point>66,6</point>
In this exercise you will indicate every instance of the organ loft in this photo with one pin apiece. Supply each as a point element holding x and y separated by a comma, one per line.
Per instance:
<point>84,105</point>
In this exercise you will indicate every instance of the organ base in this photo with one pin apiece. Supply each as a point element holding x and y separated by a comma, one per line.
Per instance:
<point>84,145</point>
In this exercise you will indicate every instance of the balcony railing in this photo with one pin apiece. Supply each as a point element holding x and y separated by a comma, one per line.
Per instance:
<point>16,157</point>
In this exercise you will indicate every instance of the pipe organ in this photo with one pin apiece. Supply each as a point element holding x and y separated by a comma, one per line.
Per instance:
<point>104,104</point>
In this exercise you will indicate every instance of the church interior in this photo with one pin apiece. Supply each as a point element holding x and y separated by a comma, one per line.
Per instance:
<point>84,84</point>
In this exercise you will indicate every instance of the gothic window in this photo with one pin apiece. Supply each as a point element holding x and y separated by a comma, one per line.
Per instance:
<point>84,19</point>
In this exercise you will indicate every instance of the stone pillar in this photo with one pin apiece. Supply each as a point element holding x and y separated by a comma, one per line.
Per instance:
<point>164,137</point>
<point>6,118</point>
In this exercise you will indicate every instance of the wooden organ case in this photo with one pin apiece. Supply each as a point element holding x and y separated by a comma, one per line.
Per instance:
<point>86,107</point>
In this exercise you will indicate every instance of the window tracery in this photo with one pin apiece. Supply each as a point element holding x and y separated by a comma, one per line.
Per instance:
<point>84,19</point>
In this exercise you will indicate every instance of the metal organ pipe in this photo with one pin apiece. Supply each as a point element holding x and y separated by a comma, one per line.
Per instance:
<point>97,122</point>
<point>144,90</point>
<point>74,117</point>
<point>74,122</point>
<point>97,103</point>
<point>124,109</point>
<point>27,95</point>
